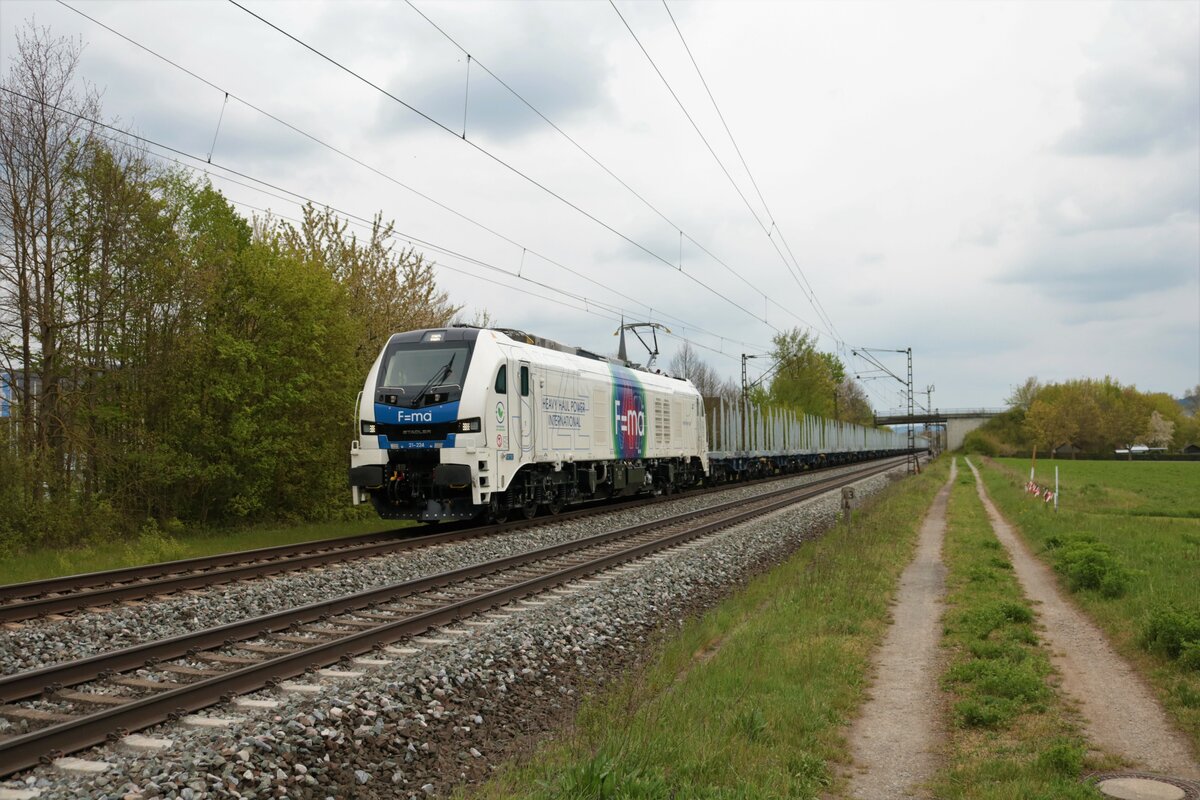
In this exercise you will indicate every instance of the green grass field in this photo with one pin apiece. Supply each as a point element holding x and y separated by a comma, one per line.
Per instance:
<point>1123,488</point>
<point>154,546</point>
<point>1126,544</point>
<point>751,699</point>
<point>1010,735</point>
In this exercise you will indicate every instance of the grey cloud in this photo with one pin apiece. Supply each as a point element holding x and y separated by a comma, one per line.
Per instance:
<point>1111,266</point>
<point>1145,198</point>
<point>1142,100</point>
<point>563,76</point>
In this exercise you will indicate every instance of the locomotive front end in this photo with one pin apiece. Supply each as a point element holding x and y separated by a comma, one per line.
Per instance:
<point>419,426</point>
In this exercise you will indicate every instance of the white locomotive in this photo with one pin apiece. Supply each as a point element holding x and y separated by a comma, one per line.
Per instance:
<point>462,421</point>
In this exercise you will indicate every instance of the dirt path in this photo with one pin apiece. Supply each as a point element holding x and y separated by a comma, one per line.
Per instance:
<point>894,741</point>
<point>1121,714</point>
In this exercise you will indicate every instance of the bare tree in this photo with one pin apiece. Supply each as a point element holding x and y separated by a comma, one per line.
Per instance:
<point>1022,397</point>
<point>43,126</point>
<point>686,363</point>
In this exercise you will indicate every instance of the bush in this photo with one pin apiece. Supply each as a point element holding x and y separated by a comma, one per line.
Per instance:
<point>1170,632</point>
<point>1189,656</point>
<point>979,442</point>
<point>1091,566</point>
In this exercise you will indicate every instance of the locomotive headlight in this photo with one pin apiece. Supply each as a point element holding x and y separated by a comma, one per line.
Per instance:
<point>469,425</point>
<point>368,428</point>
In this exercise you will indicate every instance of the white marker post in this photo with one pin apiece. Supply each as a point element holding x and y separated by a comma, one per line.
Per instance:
<point>1056,488</point>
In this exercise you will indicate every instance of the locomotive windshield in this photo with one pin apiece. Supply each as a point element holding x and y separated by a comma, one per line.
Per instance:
<point>417,364</point>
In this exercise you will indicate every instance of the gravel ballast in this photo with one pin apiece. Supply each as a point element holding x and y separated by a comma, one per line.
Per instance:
<point>42,642</point>
<point>427,721</point>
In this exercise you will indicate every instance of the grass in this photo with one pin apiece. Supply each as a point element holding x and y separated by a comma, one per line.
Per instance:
<point>1123,488</point>
<point>749,700</point>
<point>1010,736</point>
<point>1136,521</point>
<point>153,545</point>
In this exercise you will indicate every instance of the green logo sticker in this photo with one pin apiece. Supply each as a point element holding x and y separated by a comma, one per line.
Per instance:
<point>499,412</point>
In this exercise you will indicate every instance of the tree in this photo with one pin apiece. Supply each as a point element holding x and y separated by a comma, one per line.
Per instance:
<point>853,405</point>
<point>1022,397</point>
<point>1160,431</point>
<point>1050,425</point>
<point>42,130</point>
<point>686,363</point>
<point>805,379</point>
<point>389,290</point>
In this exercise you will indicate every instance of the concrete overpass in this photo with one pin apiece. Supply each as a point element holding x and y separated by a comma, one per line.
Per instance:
<point>957,422</point>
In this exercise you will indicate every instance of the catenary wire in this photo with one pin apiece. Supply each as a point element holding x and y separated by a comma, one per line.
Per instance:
<point>720,164</point>
<point>279,192</point>
<point>819,306</point>
<point>484,151</point>
<point>684,234</point>
<point>377,171</point>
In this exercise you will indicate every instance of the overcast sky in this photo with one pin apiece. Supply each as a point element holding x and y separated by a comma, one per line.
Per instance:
<point>1011,189</point>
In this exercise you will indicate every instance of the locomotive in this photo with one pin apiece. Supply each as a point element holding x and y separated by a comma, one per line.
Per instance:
<point>461,422</point>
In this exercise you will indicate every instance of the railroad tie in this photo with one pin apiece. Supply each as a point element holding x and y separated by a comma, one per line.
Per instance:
<point>93,698</point>
<point>33,714</point>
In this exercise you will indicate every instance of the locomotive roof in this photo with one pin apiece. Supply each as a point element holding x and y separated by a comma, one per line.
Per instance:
<point>469,333</point>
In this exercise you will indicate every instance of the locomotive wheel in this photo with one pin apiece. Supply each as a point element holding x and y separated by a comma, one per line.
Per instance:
<point>555,506</point>
<point>528,509</point>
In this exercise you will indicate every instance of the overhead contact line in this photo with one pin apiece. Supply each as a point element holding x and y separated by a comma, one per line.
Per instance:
<point>516,171</point>
<point>818,306</point>
<point>402,236</point>
<point>721,164</point>
<point>682,233</point>
<point>391,179</point>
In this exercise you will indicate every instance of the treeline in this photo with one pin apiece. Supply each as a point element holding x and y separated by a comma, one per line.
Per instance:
<point>798,376</point>
<point>1094,417</point>
<point>167,358</point>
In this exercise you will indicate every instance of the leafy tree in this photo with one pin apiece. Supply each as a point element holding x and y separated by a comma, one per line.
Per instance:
<point>389,290</point>
<point>1050,425</point>
<point>805,378</point>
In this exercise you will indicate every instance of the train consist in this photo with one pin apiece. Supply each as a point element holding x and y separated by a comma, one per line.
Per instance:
<point>461,422</point>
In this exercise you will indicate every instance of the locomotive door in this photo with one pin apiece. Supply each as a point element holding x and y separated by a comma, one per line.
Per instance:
<point>520,395</point>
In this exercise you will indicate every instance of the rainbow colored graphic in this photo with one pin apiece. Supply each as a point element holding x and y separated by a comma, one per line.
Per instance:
<point>629,414</point>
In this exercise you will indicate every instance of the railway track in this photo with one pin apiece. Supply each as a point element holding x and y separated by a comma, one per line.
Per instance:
<point>67,594</point>
<point>74,705</point>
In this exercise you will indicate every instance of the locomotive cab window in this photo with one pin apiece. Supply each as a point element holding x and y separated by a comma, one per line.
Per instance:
<point>524,381</point>
<point>502,380</point>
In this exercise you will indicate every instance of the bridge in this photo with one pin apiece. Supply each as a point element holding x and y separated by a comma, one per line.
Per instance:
<point>958,422</point>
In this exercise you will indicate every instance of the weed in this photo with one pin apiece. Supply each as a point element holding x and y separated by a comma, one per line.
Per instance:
<point>987,649</point>
<point>602,778</point>
<point>1167,630</point>
<point>1062,757</point>
<point>1187,696</point>
<point>1091,566</point>
<point>984,712</point>
<point>809,770</point>
<point>751,724</point>
<point>988,617</point>
<point>1189,656</point>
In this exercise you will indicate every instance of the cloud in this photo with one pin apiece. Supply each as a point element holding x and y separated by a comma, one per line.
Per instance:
<point>1144,96</point>
<point>1111,265</point>
<point>434,77</point>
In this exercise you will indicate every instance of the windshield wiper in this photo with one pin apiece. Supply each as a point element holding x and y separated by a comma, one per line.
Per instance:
<point>440,375</point>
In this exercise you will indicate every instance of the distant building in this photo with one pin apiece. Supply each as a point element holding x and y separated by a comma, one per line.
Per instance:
<point>1192,449</point>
